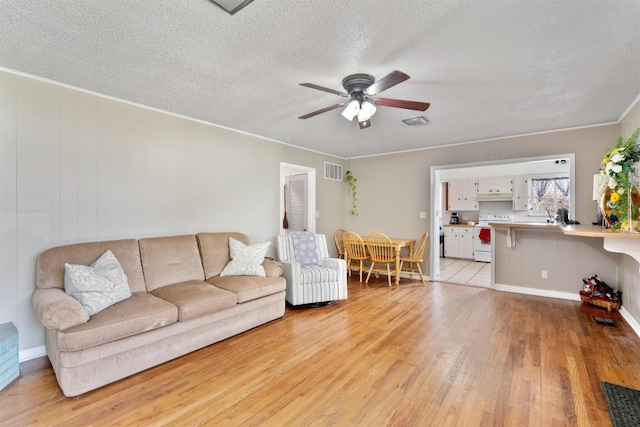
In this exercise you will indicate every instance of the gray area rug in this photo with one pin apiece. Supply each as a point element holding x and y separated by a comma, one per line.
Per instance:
<point>623,404</point>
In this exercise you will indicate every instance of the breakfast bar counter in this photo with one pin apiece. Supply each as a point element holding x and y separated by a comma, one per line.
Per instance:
<point>613,240</point>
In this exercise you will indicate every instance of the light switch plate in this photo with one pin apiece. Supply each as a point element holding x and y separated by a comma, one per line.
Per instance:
<point>423,215</point>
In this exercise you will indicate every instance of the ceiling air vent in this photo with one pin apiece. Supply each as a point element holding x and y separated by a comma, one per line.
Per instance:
<point>416,121</point>
<point>232,6</point>
<point>332,171</point>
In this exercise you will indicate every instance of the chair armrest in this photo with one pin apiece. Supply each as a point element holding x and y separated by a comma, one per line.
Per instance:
<point>290,271</point>
<point>291,274</point>
<point>272,268</point>
<point>57,310</point>
<point>335,263</point>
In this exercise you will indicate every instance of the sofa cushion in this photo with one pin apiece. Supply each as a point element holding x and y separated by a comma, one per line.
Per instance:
<point>97,286</point>
<point>50,266</point>
<point>169,260</point>
<point>142,312</point>
<point>214,248</point>
<point>248,288</point>
<point>196,298</point>
<point>245,260</point>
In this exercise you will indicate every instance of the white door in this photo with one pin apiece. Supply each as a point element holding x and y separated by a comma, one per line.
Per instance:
<point>296,196</point>
<point>298,175</point>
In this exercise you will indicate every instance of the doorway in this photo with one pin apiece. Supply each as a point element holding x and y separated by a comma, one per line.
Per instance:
<point>297,197</point>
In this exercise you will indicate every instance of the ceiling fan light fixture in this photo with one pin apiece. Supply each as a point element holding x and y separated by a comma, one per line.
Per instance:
<point>351,110</point>
<point>364,124</point>
<point>367,110</point>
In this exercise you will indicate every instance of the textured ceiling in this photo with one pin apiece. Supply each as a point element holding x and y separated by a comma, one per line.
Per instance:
<point>488,68</point>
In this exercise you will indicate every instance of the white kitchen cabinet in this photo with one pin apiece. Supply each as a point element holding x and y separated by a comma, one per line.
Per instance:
<point>495,186</point>
<point>461,195</point>
<point>520,196</point>
<point>458,242</point>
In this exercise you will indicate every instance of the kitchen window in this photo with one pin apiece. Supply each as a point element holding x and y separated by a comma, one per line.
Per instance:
<point>547,195</point>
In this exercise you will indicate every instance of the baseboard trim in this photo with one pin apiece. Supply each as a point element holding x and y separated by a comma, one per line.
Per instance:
<point>537,292</point>
<point>31,353</point>
<point>630,320</point>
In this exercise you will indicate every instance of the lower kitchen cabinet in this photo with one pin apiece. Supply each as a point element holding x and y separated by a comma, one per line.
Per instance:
<point>458,242</point>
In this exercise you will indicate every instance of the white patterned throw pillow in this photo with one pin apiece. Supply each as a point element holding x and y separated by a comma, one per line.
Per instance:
<point>305,248</point>
<point>99,285</point>
<point>245,260</point>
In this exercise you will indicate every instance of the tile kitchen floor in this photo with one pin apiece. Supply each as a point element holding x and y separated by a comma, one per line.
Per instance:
<point>465,272</point>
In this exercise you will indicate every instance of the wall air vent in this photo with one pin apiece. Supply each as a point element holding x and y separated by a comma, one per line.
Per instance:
<point>332,171</point>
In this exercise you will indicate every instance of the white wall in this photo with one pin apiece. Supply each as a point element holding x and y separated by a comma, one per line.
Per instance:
<point>566,259</point>
<point>628,268</point>
<point>79,167</point>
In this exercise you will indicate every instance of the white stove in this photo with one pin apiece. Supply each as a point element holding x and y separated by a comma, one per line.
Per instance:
<point>486,219</point>
<point>483,235</point>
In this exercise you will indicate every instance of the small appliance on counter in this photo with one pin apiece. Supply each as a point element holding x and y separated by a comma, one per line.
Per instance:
<point>563,216</point>
<point>455,219</point>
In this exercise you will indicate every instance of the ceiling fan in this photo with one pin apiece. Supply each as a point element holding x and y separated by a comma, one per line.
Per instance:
<point>361,91</point>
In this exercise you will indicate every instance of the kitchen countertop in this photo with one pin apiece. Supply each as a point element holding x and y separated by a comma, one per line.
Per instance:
<point>461,225</point>
<point>584,230</point>
<point>531,225</point>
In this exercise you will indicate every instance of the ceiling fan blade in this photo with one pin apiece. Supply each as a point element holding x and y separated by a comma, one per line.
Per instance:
<point>365,124</point>
<point>324,110</point>
<point>400,103</point>
<point>324,89</point>
<point>390,80</point>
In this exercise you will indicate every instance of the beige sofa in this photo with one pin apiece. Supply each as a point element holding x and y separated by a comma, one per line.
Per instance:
<point>179,304</point>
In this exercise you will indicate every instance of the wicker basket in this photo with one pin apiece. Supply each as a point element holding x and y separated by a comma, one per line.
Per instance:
<point>609,305</point>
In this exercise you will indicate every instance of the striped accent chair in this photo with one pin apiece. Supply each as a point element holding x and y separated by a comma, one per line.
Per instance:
<point>312,277</point>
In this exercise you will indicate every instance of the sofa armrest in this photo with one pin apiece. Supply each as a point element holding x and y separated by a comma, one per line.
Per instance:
<point>273,268</point>
<point>57,310</point>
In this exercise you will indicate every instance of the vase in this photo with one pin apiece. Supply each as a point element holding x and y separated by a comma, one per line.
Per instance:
<point>633,208</point>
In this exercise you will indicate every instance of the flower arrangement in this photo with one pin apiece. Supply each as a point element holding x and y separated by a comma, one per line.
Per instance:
<point>351,181</point>
<point>620,168</point>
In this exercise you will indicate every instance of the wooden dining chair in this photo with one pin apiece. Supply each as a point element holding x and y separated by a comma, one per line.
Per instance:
<point>337,237</point>
<point>415,259</point>
<point>381,251</point>
<point>354,251</point>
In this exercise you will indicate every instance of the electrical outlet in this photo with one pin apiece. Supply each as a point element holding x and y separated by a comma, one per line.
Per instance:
<point>423,215</point>
<point>545,274</point>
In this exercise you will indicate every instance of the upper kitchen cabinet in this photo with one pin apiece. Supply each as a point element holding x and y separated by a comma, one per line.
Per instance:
<point>520,196</point>
<point>495,188</point>
<point>461,195</point>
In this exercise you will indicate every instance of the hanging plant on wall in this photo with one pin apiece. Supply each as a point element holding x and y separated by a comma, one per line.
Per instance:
<point>351,181</point>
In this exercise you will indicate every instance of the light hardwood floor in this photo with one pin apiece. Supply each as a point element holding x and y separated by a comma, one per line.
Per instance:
<point>413,355</point>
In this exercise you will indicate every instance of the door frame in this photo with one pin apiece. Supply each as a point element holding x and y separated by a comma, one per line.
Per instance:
<point>290,169</point>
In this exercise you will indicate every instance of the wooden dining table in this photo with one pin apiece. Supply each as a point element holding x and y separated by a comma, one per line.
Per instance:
<point>399,243</point>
